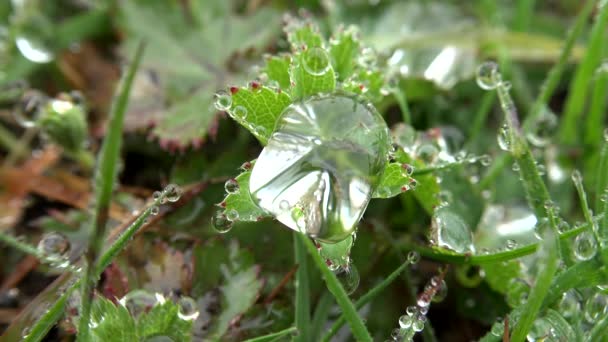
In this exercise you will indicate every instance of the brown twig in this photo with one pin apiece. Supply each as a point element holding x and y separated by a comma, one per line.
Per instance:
<point>281,285</point>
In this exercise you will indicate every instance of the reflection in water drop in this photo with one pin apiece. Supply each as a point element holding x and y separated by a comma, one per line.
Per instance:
<point>348,277</point>
<point>487,76</point>
<point>138,302</point>
<point>585,246</point>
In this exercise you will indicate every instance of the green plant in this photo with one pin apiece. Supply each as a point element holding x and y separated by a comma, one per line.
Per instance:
<point>377,148</point>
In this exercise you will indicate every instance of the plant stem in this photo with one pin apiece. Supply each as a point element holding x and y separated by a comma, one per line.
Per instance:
<point>105,178</point>
<point>403,105</point>
<point>274,336</point>
<point>333,285</point>
<point>597,111</point>
<point>552,81</point>
<point>321,315</point>
<point>480,118</point>
<point>302,314</point>
<point>577,92</point>
<point>366,298</point>
<point>524,10</point>
<point>549,257</point>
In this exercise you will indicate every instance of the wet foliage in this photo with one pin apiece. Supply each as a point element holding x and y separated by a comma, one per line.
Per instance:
<point>303,170</point>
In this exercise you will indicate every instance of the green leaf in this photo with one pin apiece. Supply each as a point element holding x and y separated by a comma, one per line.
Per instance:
<point>394,181</point>
<point>498,275</point>
<point>163,320</point>
<point>322,79</point>
<point>111,322</point>
<point>231,269</point>
<point>343,50</point>
<point>257,109</point>
<point>277,69</point>
<point>188,58</point>
<point>303,34</point>
<point>241,201</point>
<point>240,290</point>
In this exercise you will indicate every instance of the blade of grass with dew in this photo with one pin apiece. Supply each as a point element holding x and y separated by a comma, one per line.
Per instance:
<point>28,249</point>
<point>598,332</point>
<point>64,287</point>
<point>524,12</point>
<point>105,177</point>
<point>552,81</point>
<point>583,274</point>
<point>548,258</point>
<point>302,313</point>
<point>481,116</point>
<point>349,311</point>
<point>597,112</point>
<point>274,336</point>
<point>577,92</point>
<point>366,298</point>
<point>321,315</point>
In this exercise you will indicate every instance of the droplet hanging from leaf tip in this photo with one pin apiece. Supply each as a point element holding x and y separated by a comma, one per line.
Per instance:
<point>220,222</point>
<point>54,246</point>
<point>223,100</point>
<point>231,186</point>
<point>172,193</point>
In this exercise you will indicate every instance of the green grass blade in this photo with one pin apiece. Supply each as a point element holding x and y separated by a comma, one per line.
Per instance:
<point>333,285</point>
<point>105,178</point>
<point>366,298</point>
<point>50,317</point>
<point>583,274</point>
<point>302,314</point>
<point>524,12</point>
<point>556,72</point>
<point>598,332</point>
<point>577,92</point>
<point>277,336</point>
<point>597,113</point>
<point>321,315</point>
<point>549,258</point>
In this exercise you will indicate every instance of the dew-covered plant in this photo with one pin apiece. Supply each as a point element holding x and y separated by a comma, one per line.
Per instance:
<point>374,173</point>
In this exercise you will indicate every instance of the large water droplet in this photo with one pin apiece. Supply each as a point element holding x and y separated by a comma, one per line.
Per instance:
<point>441,291</point>
<point>240,112</point>
<point>596,306</point>
<point>220,222</point>
<point>585,246</point>
<point>138,302</point>
<point>570,304</point>
<point>451,231</point>
<point>487,76</point>
<point>231,186</point>
<point>172,193</point>
<point>54,246</point>
<point>413,257</point>
<point>315,61</point>
<point>348,277</point>
<point>331,183</point>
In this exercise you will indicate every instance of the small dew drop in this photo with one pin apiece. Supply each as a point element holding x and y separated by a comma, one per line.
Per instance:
<point>154,210</point>
<point>515,166</point>
<point>232,215</point>
<point>261,131</point>
<point>408,169</point>
<point>156,195</point>
<point>413,184</point>
<point>542,129</point>
<point>187,309</point>
<point>427,152</point>
<point>221,223</point>
<point>413,257</point>
<point>284,205</point>
<point>511,244</point>
<point>138,302</point>
<point>485,160</point>
<point>172,193</point>
<point>585,246</point>
<point>498,328</point>
<point>503,138</point>
<point>349,278</point>
<point>487,76</point>
<point>316,61</point>
<point>441,292</point>
<point>595,307</point>
<point>405,321</point>
<point>418,323</point>
<point>54,246</point>
<point>240,112</point>
<point>232,186</point>
<point>411,310</point>
<point>223,100</point>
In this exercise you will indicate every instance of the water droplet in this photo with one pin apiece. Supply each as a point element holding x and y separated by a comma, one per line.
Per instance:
<point>405,321</point>
<point>33,49</point>
<point>232,186</point>
<point>498,328</point>
<point>418,323</point>
<point>427,152</point>
<point>156,195</point>
<point>596,306</point>
<point>26,112</point>
<point>232,215</point>
<point>504,138</point>
<point>542,128</point>
<point>172,193</point>
<point>409,169</point>
<point>261,131</point>
<point>187,309</point>
<point>154,210</point>
<point>396,334</point>
<point>511,244</point>
<point>450,231</point>
<point>517,292</point>
<point>570,304</point>
<point>138,302</point>
<point>316,61</point>
<point>223,101</point>
<point>411,310</point>
<point>441,291</point>
<point>220,222</point>
<point>284,205</point>
<point>367,58</point>
<point>413,257</point>
<point>585,246</point>
<point>350,157</point>
<point>485,160</point>
<point>349,278</point>
<point>55,247</point>
<point>488,76</point>
<point>240,112</point>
